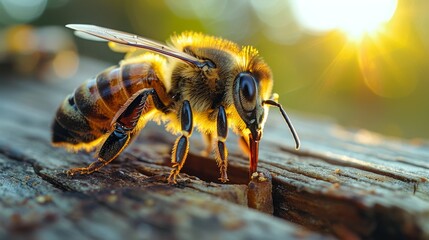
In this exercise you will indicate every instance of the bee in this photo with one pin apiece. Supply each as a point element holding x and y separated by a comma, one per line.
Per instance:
<point>207,83</point>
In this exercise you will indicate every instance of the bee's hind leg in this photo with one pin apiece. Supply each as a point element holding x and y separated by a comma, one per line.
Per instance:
<point>120,137</point>
<point>111,148</point>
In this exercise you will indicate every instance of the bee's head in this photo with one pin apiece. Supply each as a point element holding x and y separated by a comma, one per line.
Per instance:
<point>250,107</point>
<point>248,103</point>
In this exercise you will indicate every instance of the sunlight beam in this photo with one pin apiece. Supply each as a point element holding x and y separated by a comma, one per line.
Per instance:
<point>355,18</point>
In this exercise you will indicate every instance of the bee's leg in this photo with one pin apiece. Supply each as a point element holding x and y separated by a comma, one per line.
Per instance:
<point>181,146</point>
<point>120,137</point>
<point>115,143</point>
<point>244,145</point>
<point>208,140</point>
<point>222,153</point>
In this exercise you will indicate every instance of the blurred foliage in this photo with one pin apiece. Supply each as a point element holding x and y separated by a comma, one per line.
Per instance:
<point>376,82</point>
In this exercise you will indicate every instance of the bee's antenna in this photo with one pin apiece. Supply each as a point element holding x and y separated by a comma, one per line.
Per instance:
<point>286,118</point>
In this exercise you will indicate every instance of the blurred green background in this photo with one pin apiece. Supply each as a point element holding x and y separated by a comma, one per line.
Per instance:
<point>362,63</point>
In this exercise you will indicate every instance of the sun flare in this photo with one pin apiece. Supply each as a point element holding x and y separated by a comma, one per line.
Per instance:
<point>355,18</point>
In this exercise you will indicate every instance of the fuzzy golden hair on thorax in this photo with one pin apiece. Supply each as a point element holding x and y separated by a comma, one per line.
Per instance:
<point>245,57</point>
<point>200,40</point>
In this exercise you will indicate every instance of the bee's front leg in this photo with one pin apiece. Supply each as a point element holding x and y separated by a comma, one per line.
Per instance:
<point>222,153</point>
<point>243,142</point>
<point>181,146</point>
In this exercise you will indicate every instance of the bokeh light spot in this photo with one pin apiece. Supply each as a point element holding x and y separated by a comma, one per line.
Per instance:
<point>23,10</point>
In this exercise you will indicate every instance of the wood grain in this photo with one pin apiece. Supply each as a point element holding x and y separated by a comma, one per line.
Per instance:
<point>348,183</point>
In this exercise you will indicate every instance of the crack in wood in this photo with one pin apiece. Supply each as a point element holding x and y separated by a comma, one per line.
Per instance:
<point>17,156</point>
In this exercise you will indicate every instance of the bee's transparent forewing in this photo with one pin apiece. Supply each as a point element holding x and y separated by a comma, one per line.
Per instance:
<point>88,36</point>
<point>132,40</point>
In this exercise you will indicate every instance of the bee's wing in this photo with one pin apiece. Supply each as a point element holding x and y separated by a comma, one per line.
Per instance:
<point>133,41</point>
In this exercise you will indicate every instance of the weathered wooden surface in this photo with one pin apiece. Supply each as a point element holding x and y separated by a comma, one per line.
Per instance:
<point>346,183</point>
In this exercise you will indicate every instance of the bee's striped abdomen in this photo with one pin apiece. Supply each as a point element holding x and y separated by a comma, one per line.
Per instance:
<point>71,127</point>
<point>87,115</point>
<point>111,89</point>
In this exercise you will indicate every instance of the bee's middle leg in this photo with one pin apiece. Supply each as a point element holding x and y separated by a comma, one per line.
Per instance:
<point>181,146</point>
<point>123,132</point>
<point>222,153</point>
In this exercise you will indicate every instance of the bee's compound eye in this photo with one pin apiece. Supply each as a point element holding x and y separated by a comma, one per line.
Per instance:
<point>248,91</point>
